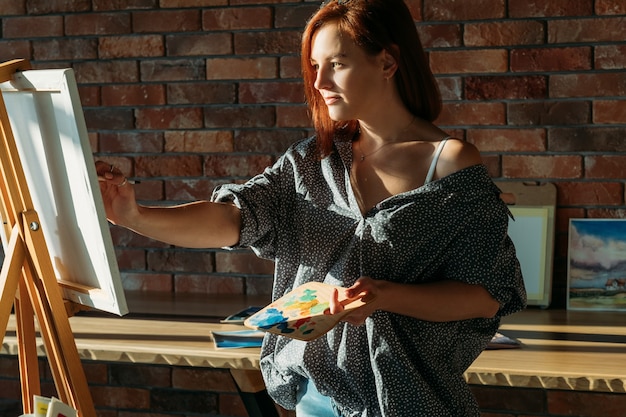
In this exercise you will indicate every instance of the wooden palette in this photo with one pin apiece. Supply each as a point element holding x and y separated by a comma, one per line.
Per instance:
<point>302,313</point>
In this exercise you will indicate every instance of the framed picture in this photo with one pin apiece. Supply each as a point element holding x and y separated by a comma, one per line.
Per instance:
<point>596,265</point>
<point>532,233</point>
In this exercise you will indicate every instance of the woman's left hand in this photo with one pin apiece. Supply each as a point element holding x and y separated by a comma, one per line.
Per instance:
<point>364,288</point>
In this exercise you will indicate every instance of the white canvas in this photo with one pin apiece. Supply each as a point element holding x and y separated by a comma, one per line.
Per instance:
<point>50,132</point>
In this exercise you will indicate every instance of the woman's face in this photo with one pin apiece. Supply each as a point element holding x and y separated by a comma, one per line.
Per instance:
<point>349,80</point>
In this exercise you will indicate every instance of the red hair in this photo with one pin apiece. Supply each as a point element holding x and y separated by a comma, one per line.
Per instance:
<point>374,25</point>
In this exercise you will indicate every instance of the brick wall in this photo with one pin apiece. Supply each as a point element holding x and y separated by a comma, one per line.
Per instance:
<point>136,390</point>
<point>188,94</point>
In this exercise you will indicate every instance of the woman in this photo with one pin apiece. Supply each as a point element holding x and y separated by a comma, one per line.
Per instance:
<point>381,202</point>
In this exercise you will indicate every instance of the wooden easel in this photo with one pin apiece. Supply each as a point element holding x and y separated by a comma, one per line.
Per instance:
<point>29,284</point>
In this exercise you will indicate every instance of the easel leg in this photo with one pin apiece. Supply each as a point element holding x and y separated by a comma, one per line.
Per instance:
<point>29,363</point>
<point>45,296</point>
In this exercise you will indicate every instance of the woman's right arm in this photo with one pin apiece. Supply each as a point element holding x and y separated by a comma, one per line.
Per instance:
<point>200,224</point>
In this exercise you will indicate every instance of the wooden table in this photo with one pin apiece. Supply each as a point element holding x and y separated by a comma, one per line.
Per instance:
<point>575,350</point>
<point>561,350</point>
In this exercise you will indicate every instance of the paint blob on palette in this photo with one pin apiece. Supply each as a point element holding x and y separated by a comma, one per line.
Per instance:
<point>302,313</point>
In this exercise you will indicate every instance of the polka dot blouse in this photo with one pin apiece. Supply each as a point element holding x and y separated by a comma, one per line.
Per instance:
<point>302,213</point>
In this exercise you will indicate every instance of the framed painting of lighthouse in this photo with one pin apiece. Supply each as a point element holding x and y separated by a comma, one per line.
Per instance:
<point>596,265</point>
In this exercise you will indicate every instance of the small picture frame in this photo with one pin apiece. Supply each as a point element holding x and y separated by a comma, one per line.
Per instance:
<point>532,233</point>
<point>596,265</point>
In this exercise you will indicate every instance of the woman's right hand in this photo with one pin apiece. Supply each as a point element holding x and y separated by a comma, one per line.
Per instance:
<point>117,193</point>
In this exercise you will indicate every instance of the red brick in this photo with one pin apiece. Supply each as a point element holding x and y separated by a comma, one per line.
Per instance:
<point>542,166</point>
<point>193,402</point>
<point>451,88</point>
<point>9,367</point>
<point>604,29</point>
<point>172,70</point>
<point>543,113</point>
<point>232,405</point>
<point>415,7</point>
<point>235,166</point>
<point>551,59</point>
<point>17,49</point>
<point>241,68</point>
<point>166,21</point>
<point>65,49</point>
<point>237,18</point>
<point>203,141</point>
<point>147,282</point>
<point>201,93</point>
<point>463,10</point>
<point>32,27</point>
<point>99,5</point>
<point>588,85</point>
<point>268,142</point>
<point>131,142</point>
<point>168,166</point>
<point>609,111</point>
<point>140,375</point>
<point>440,36</point>
<point>543,8</point>
<point>499,88</point>
<point>191,189</point>
<point>239,117</point>
<point>242,262</point>
<point>290,67</point>
<point>203,379</point>
<point>109,118</point>
<point>120,397</point>
<point>590,193</point>
<point>496,398</point>
<point>284,42</point>
<point>89,95</point>
<point>605,213</point>
<point>177,4</point>
<point>130,259</point>
<point>168,118</point>
<point>563,216</point>
<point>57,6</point>
<point>465,61</point>
<point>12,7</point>
<point>204,44</point>
<point>102,72</point>
<point>292,16</point>
<point>201,284</point>
<point>259,286</point>
<point>128,238</point>
<point>610,57</point>
<point>131,46</point>
<point>508,140</point>
<point>180,261</point>
<point>293,116</point>
<point>97,24</point>
<point>472,114</point>
<point>587,139</point>
<point>133,95</point>
<point>271,92</point>
<point>10,388</point>
<point>610,7</point>
<point>605,166</point>
<point>503,33</point>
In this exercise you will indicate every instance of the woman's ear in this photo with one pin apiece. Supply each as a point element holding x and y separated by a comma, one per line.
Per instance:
<point>390,65</point>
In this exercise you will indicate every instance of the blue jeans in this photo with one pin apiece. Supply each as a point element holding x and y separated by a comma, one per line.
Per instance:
<point>313,404</point>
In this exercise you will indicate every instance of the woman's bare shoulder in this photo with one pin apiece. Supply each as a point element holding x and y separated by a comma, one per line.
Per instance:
<point>456,155</point>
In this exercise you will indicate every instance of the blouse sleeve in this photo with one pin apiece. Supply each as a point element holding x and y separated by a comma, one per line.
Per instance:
<point>260,201</point>
<point>484,254</point>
